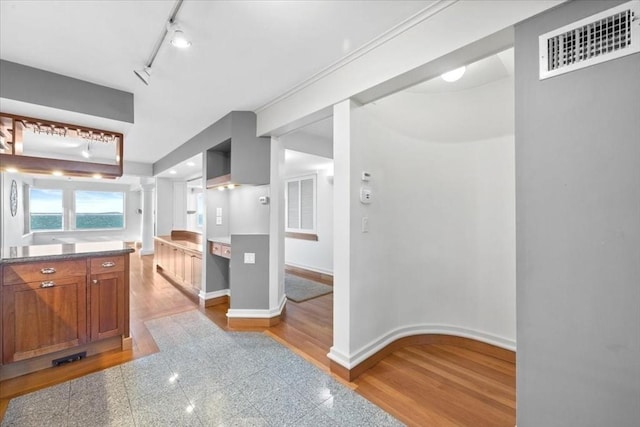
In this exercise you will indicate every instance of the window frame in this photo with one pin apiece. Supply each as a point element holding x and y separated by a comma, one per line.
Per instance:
<point>301,233</point>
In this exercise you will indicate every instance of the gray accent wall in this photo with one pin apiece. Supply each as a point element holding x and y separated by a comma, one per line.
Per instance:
<point>34,86</point>
<point>250,154</point>
<point>249,282</point>
<point>578,235</point>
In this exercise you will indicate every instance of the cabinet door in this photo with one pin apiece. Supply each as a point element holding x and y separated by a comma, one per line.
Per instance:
<point>179,264</point>
<point>107,305</point>
<point>196,271</point>
<point>188,268</point>
<point>43,317</point>
<point>156,254</point>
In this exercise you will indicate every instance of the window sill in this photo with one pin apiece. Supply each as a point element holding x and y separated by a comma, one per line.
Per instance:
<point>301,236</point>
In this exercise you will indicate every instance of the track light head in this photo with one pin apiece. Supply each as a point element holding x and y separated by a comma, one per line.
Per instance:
<point>178,37</point>
<point>144,75</point>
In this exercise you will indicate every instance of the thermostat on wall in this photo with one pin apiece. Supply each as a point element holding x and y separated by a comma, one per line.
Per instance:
<point>366,195</point>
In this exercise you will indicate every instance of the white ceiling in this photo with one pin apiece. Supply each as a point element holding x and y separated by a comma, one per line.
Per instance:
<point>244,53</point>
<point>297,163</point>
<point>479,106</point>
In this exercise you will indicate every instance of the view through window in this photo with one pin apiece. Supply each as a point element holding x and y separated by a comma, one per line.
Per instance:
<point>45,209</point>
<point>99,209</point>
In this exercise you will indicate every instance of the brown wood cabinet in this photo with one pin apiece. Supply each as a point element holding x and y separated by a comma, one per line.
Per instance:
<point>43,317</point>
<point>107,297</point>
<point>179,261</point>
<point>62,304</point>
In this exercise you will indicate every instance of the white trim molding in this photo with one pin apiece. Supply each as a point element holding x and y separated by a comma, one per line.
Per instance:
<point>359,356</point>
<point>383,38</point>
<point>215,294</point>
<point>307,267</point>
<point>258,313</point>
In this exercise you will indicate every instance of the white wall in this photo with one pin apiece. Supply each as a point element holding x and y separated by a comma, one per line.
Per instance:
<point>440,253</point>
<point>164,206</point>
<point>13,232</point>
<point>132,220</point>
<point>307,254</point>
<point>316,255</point>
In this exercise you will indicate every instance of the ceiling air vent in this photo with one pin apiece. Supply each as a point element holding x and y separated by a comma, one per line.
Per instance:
<point>598,38</point>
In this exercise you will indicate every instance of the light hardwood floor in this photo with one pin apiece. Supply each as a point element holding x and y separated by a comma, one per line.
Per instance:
<point>427,385</point>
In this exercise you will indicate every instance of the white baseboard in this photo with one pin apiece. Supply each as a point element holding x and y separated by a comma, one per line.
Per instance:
<point>215,294</point>
<point>258,313</point>
<point>307,267</point>
<point>368,350</point>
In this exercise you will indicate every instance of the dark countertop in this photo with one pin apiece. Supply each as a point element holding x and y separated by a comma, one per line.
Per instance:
<point>16,254</point>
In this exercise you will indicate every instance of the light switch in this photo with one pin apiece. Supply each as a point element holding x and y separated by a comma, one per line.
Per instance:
<point>365,224</point>
<point>218,220</point>
<point>249,258</point>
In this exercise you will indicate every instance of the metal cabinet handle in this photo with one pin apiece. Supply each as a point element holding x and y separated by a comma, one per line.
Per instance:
<point>108,264</point>
<point>94,281</point>
<point>48,270</point>
<point>48,284</point>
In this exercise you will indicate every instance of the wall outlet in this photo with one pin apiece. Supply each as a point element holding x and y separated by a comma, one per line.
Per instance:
<point>218,220</point>
<point>218,211</point>
<point>249,258</point>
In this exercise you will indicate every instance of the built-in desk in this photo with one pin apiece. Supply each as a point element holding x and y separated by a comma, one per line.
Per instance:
<point>220,246</point>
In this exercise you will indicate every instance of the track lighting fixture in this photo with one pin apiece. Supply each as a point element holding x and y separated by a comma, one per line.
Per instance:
<point>178,39</point>
<point>144,74</point>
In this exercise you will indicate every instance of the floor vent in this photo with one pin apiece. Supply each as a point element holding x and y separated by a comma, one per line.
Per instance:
<point>69,359</point>
<point>598,38</point>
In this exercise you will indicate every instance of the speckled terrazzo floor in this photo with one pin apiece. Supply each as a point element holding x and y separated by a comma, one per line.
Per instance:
<point>202,376</point>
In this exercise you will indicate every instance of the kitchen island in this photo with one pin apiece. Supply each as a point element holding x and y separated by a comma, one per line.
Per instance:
<point>62,302</point>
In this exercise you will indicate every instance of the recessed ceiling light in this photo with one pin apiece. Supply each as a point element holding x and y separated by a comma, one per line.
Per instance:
<point>172,172</point>
<point>454,75</point>
<point>191,164</point>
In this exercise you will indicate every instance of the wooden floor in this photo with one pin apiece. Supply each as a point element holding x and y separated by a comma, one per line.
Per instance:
<point>431,385</point>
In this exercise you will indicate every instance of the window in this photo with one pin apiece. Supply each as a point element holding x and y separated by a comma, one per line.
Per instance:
<point>199,210</point>
<point>99,209</point>
<point>301,205</point>
<point>45,209</point>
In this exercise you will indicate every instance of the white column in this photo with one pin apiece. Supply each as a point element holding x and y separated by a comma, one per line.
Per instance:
<point>277,298</point>
<point>147,219</point>
<point>341,350</point>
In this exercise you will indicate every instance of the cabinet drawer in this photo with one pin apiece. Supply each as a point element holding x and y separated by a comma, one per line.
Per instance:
<point>107,264</point>
<point>43,271</point>
<point>217,249</point>
<point>225,251</point>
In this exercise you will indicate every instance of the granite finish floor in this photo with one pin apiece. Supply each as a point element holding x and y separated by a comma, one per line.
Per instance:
<point>202,376</point>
